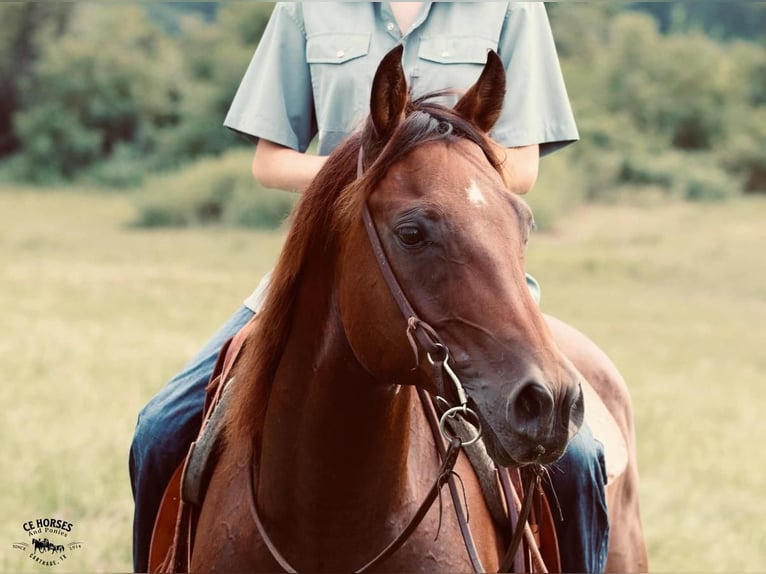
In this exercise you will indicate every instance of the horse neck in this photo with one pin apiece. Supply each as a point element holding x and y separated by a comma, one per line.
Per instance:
<point>333,462</point>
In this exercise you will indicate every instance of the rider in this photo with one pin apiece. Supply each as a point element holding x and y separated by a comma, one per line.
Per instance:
<point>311,77</point>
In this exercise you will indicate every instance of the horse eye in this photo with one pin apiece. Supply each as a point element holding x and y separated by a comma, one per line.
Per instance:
<point>410,235</point>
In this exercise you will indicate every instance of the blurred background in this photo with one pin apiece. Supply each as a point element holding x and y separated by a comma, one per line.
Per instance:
<point>130,228</point>
<point>669,96</point>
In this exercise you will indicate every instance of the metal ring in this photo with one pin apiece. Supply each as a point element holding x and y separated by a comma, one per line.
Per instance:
<point>451,414</point>
<point>441,347</point>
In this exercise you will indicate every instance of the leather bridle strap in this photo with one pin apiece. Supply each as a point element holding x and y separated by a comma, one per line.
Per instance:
<point>419,332</point>
<point>462,519</point>
<point>423,333</point>
<point>507,564</point>
<point>445,474</point>
<point>513,559</point>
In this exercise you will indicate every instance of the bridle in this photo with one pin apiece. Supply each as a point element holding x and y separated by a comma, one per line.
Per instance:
<point>422,336</point>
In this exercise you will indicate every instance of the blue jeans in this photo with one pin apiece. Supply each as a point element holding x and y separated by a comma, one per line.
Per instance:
<point>166,427</point>
<point>579,489</point>
<point>170,421</point>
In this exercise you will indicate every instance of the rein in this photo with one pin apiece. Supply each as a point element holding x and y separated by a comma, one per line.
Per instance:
<point>421,334</point>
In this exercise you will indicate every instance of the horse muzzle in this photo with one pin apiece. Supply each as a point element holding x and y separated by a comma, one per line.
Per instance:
<point>535,425</point>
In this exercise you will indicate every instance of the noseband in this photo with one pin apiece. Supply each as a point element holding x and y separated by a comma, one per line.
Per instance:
<point>421,335</point>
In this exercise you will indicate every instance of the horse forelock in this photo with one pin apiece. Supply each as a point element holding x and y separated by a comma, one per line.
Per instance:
<point>425,122</point>
<point>325,211</point>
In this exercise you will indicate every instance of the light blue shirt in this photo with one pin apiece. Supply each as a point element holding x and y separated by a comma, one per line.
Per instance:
<point>312,72</point>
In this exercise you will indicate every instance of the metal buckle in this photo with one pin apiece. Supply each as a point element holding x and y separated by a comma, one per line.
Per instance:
<point>462,398</point>
<point>450,414</point>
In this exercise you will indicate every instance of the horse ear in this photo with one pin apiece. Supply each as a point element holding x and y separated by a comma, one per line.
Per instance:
<point>483,102</point>
<point>389,94</point>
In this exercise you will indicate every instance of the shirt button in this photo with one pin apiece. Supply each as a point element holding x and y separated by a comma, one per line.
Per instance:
<point>390,26</point>
<point>445,54</point>
<point>340,53</point>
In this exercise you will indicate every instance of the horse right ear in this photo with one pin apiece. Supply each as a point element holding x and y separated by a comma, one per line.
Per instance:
<point>389,94</point>
<point>483,102</point>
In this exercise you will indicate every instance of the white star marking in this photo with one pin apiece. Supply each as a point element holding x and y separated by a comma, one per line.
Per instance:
<point>475,195</point>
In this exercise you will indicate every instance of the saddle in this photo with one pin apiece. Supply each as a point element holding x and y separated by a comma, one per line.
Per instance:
<point>175,525</point>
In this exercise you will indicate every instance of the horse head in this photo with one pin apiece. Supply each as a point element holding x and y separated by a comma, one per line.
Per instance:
<point>455,239</point>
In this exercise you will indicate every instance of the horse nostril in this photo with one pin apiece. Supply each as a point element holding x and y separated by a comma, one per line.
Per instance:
<point>533,404</point>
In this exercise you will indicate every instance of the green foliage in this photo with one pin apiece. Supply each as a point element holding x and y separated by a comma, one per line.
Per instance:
<point>559,189</point>
<point>114,79</point>
<point>677,113</point>
<point>720,19</point>
<point>168,14</point>
<point>212,192</point>
<point>745,155</point>
<point>25,27</point>
<point>215,57</point>
<point>689,176</point>
<point>708,184</point>
<point>650,169</point>
<point>691,105</point>
<point>103,84</point>
<point>258,207</point>
<point>116,93</point>
<point>245,22</point>
<point>124,168</point>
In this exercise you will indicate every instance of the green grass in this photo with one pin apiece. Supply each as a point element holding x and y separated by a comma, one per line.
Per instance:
<point>676,294</point>
<point>95,315</point>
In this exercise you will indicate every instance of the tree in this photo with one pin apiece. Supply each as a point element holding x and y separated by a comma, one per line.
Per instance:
<point>722,20</point>
<point>112,80</point>
<point>215,58</point>
<point>24,29</point>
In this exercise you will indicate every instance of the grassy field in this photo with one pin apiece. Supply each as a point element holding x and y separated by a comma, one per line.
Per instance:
<point>96,315</point>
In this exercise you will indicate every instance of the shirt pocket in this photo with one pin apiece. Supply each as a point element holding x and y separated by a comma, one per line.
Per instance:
<point>456,49</point>
<point>450,62</point>
<point>338,64</point>
<point>334,48</point>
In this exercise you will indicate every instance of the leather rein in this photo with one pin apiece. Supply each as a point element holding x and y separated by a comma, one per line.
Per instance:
<point>421,335</point>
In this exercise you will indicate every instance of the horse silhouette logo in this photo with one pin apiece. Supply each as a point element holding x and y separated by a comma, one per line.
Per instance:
<point>46,545</point>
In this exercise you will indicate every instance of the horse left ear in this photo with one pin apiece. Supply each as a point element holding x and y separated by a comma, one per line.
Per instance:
<point>483,101</point>
<point>389,94</point>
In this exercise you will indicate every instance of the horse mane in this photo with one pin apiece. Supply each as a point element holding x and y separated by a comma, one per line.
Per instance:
<point>331,203</point>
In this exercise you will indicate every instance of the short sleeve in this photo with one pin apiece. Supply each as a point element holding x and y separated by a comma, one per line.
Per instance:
<point>274,101</point>
<point>537,108</point>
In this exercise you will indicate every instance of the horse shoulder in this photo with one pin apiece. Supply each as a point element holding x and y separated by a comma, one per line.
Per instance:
<point>226,539</point>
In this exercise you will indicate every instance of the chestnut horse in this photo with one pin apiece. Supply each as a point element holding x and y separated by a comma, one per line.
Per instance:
<point>328,451</point>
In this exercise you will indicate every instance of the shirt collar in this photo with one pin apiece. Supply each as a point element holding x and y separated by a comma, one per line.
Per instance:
<point>386,13</point>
